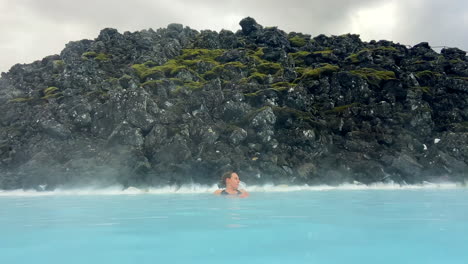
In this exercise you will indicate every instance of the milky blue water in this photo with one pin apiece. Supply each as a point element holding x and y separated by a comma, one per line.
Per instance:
<point>334,226</point>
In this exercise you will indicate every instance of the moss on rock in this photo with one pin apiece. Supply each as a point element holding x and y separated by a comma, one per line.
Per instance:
<point>340,109</point>
<point>257,77</point>
<point>323,52</point>
<point>51,92</point>
<point>201,54</point>
<point>269,68</point>
<point>96,56</point>
<point>297,41</point>
<point>316,73</point>
<point>427,74</point>
<point>374,76</point>
<point>299,57</point>
<point>286,112</point>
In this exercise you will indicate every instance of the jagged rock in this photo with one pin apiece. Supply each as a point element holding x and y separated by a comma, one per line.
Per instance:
<point>237,136</point>
<point>249,25</point>
<point>55,129</point>
<point>228,40</point>
<point>125,134</point>
<point>453,53</point>
<point>175,106</point>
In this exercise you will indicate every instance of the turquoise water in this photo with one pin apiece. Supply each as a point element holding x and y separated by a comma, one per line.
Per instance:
<point>327,226</point>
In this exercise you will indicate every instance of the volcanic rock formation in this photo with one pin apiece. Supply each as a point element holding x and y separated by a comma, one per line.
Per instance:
<point>176,106</point>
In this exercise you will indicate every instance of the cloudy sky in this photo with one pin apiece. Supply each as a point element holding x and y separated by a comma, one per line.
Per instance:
<point>33,29</point>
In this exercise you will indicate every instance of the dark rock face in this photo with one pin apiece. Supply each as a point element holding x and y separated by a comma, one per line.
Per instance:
<point>249,25</point>
<point>176,106</point>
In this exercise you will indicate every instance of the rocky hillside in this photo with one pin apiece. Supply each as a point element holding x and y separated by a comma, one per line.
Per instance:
<point>176,106</point>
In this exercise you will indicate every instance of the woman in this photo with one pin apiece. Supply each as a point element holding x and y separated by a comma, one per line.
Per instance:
<point>230,180</point>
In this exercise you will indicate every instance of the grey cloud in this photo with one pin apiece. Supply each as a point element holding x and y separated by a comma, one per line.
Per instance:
<point>443,23</point>
<point>312,13</point>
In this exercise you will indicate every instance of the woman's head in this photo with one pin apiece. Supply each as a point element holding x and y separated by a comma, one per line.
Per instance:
<point>230,179</point>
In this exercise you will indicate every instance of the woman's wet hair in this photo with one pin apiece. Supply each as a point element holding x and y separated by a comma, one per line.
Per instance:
<point>222,182</point>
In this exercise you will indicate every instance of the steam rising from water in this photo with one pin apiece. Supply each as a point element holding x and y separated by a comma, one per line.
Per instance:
<point>200,189</point>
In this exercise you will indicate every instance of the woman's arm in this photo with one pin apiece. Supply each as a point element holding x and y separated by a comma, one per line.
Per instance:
<point>218,192</point>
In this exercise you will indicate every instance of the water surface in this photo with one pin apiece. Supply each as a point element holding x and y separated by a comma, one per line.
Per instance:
<point>422,225</point>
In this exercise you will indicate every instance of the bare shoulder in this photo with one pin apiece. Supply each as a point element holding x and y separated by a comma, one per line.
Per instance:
<point>244,193</point>
<point>218,192</point>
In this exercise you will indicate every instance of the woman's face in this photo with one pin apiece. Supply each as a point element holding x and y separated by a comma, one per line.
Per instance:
<point>233,182</point>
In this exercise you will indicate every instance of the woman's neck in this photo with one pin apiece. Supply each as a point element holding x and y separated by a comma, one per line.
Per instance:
<point>230,189</point>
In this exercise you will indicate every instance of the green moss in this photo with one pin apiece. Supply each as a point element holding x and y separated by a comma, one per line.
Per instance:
<point>194,85</point>
<point>299,57</point>
<point>150,64</point>
<point>169,69</point>
<point>58,63</point>
<point>340,109</point>
<point>316,73</point>
<point>455,61</point>
<point>354,58</point>
<point>188,60</point>
<point>102,57</point>
<point>176,81</point>
<point>386,48</point>
<point>95,55</point>
<point>259,52</point>
<point>112,80</point>
<point>281,89</point>
<point>152,84</point>
<point>300,70</point>
<point>297,41</point>
<point>283,113</point>
<point>269,68</point>
<point>201,54</point>
<point>427,74</point>
<point>419,62</point>
<point>424,89</point>
<point>257,77</point>
<point>256,56</point>
<point>257,93</point>
<point>222,69</point>
<point>282,84</point>
<point>374,76</point>
<point>325,52</point>
<point>140,69</point>
<point>235,64</point>
<point>53,95</point>
<point>89,54</point>
<point>125,77</point>
<point>50,90</point>
<point>210,75</point>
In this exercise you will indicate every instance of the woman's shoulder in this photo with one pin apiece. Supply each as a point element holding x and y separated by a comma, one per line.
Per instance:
<point>243,193</point>
<point>218,191</point>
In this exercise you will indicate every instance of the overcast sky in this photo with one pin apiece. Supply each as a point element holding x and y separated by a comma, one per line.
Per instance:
<point>33,29</point>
